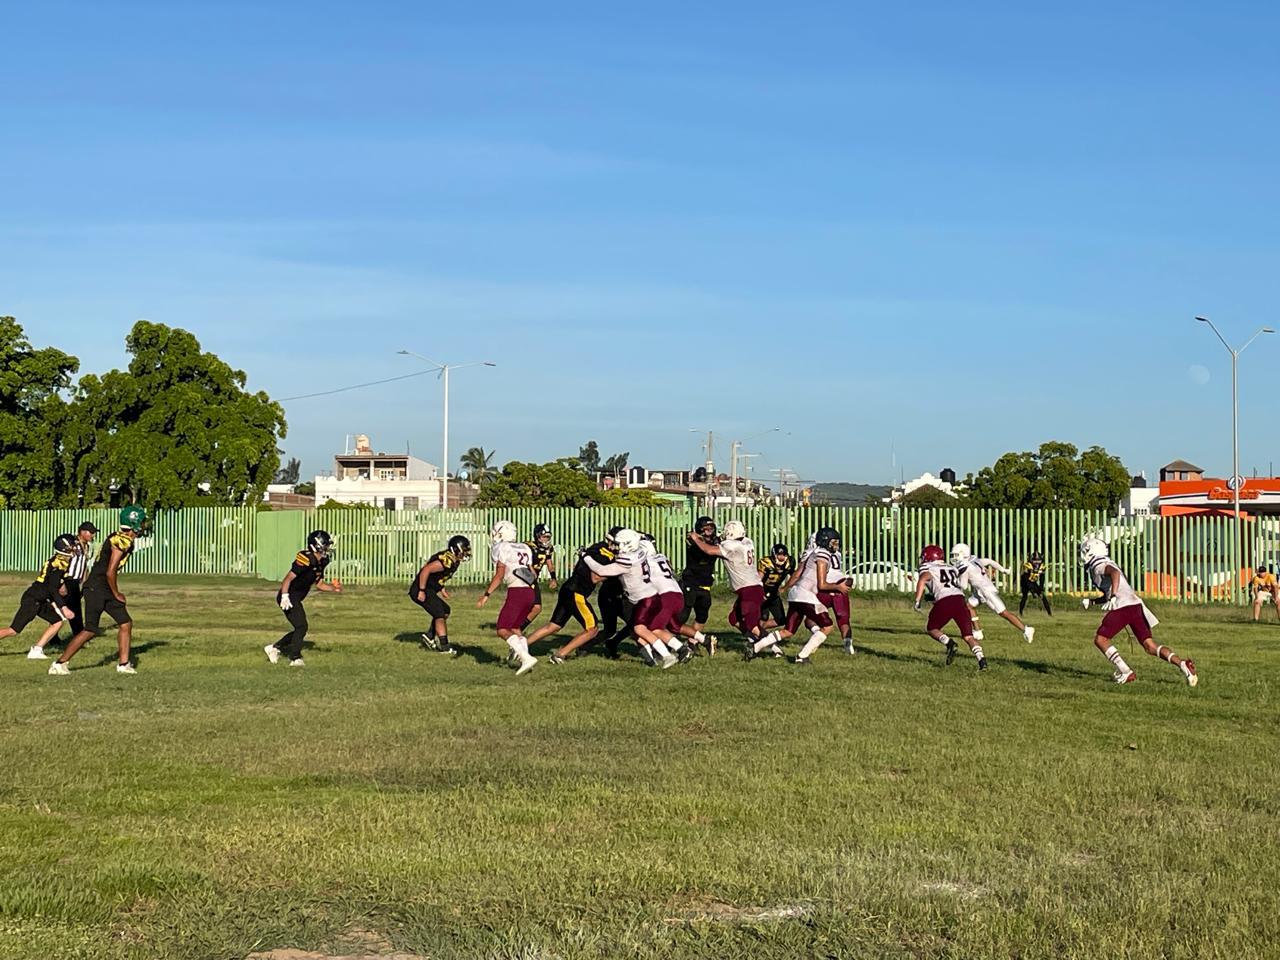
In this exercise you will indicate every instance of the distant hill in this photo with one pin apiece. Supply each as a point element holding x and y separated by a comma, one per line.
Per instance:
<point>847,494</point>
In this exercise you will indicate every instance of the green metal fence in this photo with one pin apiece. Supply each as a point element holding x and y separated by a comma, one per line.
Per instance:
<point>1177,558</point>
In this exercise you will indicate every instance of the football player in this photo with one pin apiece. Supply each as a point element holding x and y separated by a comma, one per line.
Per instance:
<point>946,586</point>
<point>45,598</point>
<point>651,608</point>
<point>1265,590</point>
<point>307,571</point>
<point>775,570</point>
<point>512,567</point>
<point>543,551</point>
<point>574,603</point>
<point>615,612</point>
<point>696,580</point>
<point>72,590</point>
<point>738,551</point>
<point>427,590</point>
<point>1032,582</point>
<point>974,572</point>
<point>803,605</point>
<point>830,596</point>
<point>1124,609</point>
<point>102,593</point>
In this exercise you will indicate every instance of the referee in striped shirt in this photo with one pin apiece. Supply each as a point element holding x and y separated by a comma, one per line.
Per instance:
<point>72,584</point>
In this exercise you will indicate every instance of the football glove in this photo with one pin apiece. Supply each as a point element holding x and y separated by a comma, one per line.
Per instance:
<point>286,602</point>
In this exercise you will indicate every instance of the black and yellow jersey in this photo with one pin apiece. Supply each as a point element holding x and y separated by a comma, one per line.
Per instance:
<point>436,579</point>
<point>98,573</point>
<point>1032,572</point>
<point>773,574</point>
<point>699,568</point>
<point>541,555</point>
<point>583,579</point>
<point>307,570</point>
<point>51,575</point>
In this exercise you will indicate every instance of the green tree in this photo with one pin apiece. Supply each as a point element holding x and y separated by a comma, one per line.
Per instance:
<point>929,497</point>
<point>1055,476</point>
<point>616,465</point>
<point>632,497</point>
<point>478,464</point>
<point>289,472</point>
<point>545,485</point>
<point>589,458</point>
<point>307,488</point>
<point>33,416</point>
<point>177,428</point>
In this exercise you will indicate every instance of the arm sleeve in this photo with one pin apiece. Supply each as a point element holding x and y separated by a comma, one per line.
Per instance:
<point>988,562</point>
<point>605,570</point>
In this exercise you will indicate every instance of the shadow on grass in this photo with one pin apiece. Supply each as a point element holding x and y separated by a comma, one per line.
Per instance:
<point>477,653</point>
<point>135,652</point>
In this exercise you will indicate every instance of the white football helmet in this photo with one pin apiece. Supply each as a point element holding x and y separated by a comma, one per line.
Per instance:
<point>629,541</point>
<point>1092,548</point>
<point>648,549</point>
<point>504,531</point>
<point>960,553</point>
<point>734,530</point>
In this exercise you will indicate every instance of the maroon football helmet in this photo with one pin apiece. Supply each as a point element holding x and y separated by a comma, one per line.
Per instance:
<point>932,553</point>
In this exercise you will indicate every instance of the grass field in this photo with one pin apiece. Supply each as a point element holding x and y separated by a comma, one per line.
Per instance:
<point>386,799</point>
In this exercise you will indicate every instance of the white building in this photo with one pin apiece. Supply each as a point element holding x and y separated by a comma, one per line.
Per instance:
<point>946,483</point>
<point>393,481</point>
<point>1141,500</point>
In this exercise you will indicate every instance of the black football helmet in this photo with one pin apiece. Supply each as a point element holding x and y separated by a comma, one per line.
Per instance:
<point>706,527</point>
<point>780,550</point>
<point>460,547</point>
<point>319,542</point>
<point>1037,556</point>
<point>65,544</point>
<point>542,535</point>
<point>827,536</point>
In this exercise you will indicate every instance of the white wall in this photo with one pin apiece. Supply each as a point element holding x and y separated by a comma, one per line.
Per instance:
<point>377,492</point>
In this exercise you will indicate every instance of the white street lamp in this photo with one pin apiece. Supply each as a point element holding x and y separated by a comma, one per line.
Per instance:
<point>444,369</point>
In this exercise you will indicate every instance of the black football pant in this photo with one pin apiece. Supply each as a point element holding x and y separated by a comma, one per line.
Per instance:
<point>291,643</point>
<point>1033,587</point>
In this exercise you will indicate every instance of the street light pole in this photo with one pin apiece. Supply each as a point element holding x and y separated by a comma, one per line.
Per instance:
<point>444,369</point>
<point>1236,480</point>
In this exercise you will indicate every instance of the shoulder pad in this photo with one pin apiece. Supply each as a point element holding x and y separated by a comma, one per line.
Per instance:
<point>302,559</point>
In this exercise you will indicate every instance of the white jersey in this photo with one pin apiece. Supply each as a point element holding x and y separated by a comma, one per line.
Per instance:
<point>1124,595</point>
<point>806,586</point>
<point>637,581</point>
<point>834,573</point>
<point>663,576</point>
<point>973,574</point>
<point>945,580</point>
<point>740,560</point>
<point>513,556</point>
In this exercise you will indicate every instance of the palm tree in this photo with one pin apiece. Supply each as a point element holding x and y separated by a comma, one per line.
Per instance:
<point>477,464</point>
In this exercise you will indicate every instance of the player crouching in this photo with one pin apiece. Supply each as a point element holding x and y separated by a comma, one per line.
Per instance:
<point>945,584</point>
<point>427,590</point>
<point>45,598</point>
<point>1124,609</point>
<point>306,572</point>
<point>973,571</point>
<point>513,568</point>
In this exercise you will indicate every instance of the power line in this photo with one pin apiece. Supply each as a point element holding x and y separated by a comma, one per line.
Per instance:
<point>356,386</point>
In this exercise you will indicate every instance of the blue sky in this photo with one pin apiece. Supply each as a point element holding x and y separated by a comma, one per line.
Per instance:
<point>946,230</point>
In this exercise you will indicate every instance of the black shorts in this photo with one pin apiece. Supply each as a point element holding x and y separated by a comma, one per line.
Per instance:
<point>100,600</point>
<point>1032,587</point>
<point>697,601</point>
<point>537,593</point>
<point>571,605</point>
<point>33,604</point>
<point>435,605</point>
<point>773,609</point>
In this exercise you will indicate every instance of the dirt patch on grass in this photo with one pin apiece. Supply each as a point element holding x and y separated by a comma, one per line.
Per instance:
<point>717,911</point>
<point>355,944</point>
<point>964,891</point>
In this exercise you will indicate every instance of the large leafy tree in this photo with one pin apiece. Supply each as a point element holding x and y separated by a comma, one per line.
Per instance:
<point>290,471</point>
<point>32,420</point>
<point>539,485</point>
<point>177,428</point>
<point>1055,476</point>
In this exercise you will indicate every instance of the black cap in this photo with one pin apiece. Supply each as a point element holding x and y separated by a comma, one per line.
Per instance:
<point>88,525</point>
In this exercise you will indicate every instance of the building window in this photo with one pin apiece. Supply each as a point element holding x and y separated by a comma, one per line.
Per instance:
<point>388,474</point>
<point>411,503</point>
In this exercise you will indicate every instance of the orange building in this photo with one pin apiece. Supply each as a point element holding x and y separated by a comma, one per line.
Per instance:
<point>1184,489</point>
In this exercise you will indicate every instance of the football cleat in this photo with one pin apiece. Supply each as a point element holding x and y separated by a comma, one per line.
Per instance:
<point>272,652</point>
<point>848,648</point>
<point>646,654</point>
<point>951,652</point>
<point>1124,676</point>
<point>1189,671</point>
<point>712,643</point>
<point>1029,634</point>
<point>527,663</point>
<point>669,661</point>
<point>429,642</point>
<point>57,669</point>
<point>684,654</point>
<point>802,661</point>
<point>125,668</point>
<point>749,651</point>
<point>555,660</point>
<point>777,652</point>
<point>37,653</point>
<point>297,663</point>
<point>982,663</point>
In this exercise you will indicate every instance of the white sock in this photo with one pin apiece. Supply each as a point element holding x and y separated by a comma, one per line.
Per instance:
<point>812,644</point>
<point>977,652</point>
<point>522,645</point>
<point>764,642</point>
<point>659,648</point>
<point>515,647</point>
<point>674,645</point>
<point>1117,661</point>
<point>944,640</point>
<point>699,636</point>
